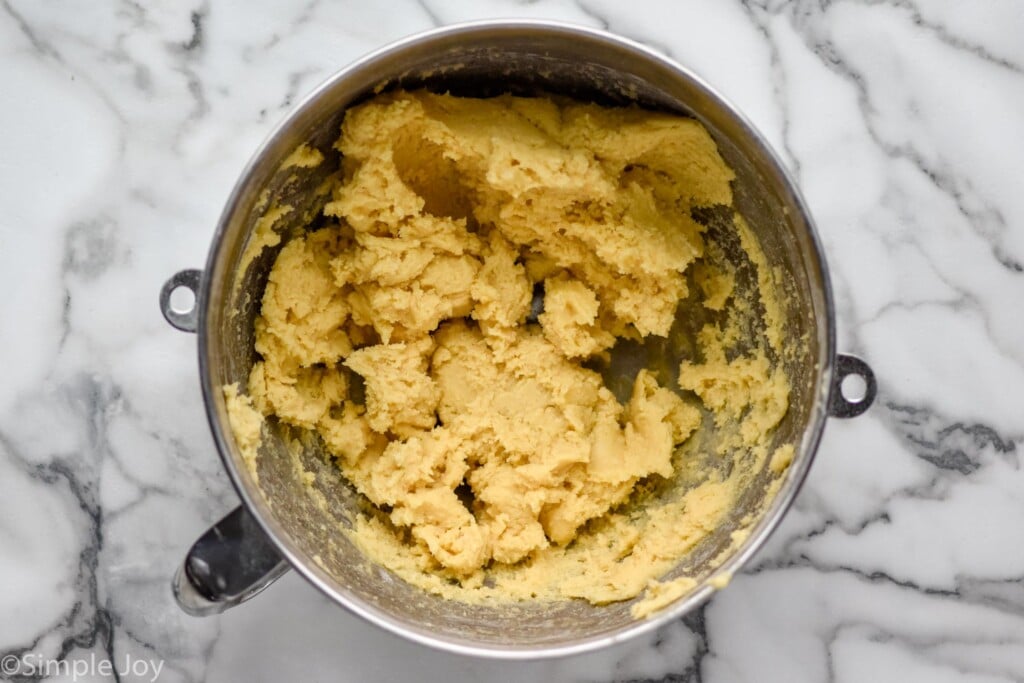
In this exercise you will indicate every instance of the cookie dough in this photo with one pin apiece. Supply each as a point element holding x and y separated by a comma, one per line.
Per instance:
<point>497,462</point>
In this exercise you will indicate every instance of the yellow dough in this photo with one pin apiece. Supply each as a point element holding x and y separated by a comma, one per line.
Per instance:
<point>497,461</point>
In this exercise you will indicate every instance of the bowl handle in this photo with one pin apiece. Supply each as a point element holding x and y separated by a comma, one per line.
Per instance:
<point>185,319</point>
<point>229,564</point>
<point>840,405</point>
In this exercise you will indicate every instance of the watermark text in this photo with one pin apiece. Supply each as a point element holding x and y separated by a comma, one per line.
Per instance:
<point>35,665</point>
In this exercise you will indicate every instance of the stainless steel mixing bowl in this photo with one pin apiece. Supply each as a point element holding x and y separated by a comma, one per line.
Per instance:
<point>257,542</point>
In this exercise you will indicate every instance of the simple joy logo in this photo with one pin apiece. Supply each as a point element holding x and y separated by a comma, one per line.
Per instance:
<point>32,665</point>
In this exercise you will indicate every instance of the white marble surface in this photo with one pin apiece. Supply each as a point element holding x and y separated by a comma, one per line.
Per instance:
<point>124,125</point>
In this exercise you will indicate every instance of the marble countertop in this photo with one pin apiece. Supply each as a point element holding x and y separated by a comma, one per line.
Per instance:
<point>125,125</point>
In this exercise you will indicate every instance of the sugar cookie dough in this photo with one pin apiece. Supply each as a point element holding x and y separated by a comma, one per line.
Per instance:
<point>496,460</point>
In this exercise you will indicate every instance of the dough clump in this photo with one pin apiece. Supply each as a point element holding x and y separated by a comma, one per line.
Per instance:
<point>398,329</point>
